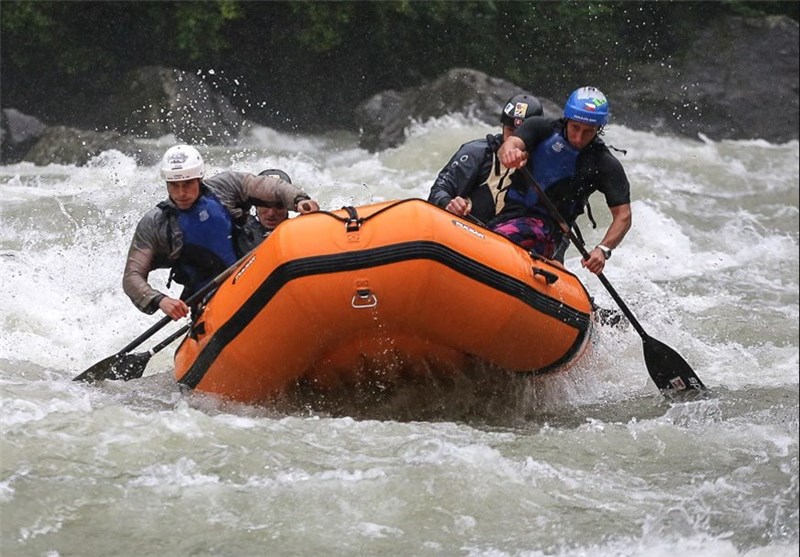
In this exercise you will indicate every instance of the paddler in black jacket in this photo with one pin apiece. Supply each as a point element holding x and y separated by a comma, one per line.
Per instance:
<point>474,181</point>
<point>198,232</point>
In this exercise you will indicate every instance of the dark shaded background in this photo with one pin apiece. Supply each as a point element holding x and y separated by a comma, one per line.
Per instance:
<point>306,65</point>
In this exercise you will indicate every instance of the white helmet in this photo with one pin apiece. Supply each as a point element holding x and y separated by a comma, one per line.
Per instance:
<point>182,162</point>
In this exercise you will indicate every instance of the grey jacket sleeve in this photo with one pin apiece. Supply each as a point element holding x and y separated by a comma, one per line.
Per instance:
<point>239,190</point>
<point>142,256</point>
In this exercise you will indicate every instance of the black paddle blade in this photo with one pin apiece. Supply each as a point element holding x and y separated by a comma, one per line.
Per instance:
<point>130,366</point>
<point>98,371</point>
<point>118,366</point>
<point>669,370</point>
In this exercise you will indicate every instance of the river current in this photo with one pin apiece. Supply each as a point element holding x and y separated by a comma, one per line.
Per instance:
<point>591,462</point>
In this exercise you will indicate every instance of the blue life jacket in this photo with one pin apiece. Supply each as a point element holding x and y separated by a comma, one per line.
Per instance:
<point>552,161</point>
<point>207,244</point>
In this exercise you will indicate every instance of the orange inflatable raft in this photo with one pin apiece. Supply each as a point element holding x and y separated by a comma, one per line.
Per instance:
<point>396,288</point>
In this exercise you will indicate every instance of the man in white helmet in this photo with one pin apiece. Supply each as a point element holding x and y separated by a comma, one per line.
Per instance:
<point>199,231</point>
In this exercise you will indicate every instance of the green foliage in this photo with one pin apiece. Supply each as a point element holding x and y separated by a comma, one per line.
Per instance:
<point>200,25</point>
<point>20,22</point>
<point>325,24</point>
<point>763,8</point>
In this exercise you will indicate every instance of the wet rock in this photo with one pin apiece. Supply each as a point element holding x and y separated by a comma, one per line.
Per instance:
<point>382,119</point>
<point>160,101</point>
<point>63,145</point>
<point>18,133</point>
<point>738,80</point>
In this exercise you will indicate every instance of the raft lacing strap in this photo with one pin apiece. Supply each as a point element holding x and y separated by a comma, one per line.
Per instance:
<point>353,223</point>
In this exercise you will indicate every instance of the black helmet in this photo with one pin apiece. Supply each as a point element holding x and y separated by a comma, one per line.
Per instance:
<point>274,172</point>
<point>518,108</point>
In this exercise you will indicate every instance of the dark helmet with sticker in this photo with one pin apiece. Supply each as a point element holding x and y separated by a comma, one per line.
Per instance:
<point>518,108</point>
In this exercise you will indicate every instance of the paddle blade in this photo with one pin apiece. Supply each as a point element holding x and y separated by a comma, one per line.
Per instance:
<point>118,366</point>
<point>98,371</point>
<point>130,366</point>
<point>670,372</point>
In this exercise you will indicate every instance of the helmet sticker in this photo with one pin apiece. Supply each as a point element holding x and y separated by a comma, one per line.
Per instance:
<point>182,162</point>
<point>178,157</point>
<point>588,105</point>
<point>593,97</point>
<point>595,103</point>
<point>519,108</point>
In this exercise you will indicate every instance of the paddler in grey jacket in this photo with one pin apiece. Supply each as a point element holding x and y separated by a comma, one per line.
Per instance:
<point>199,231</point>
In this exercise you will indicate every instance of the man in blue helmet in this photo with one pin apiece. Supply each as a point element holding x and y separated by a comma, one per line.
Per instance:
<point>569,161</point>
<point>473,182</point>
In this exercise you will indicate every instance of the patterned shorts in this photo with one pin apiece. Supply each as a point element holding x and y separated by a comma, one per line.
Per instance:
<point>531,233</point>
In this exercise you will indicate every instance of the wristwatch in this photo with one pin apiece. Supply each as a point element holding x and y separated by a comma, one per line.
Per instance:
<point>605,249</point>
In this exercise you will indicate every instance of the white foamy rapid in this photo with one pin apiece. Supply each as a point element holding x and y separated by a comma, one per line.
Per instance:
<point>592,462</point>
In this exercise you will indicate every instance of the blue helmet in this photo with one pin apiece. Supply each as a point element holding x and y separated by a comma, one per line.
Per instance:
<point>588,106</point>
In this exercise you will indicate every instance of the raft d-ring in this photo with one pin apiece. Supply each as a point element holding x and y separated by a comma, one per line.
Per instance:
<point>364,299</point>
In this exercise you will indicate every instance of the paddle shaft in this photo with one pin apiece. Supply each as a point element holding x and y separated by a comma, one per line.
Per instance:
<point>145,335</point>
<point>196,297</point>
<point>169,340</point>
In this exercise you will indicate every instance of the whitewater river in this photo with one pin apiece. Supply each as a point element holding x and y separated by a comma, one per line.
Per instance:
<point>592,462</point>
